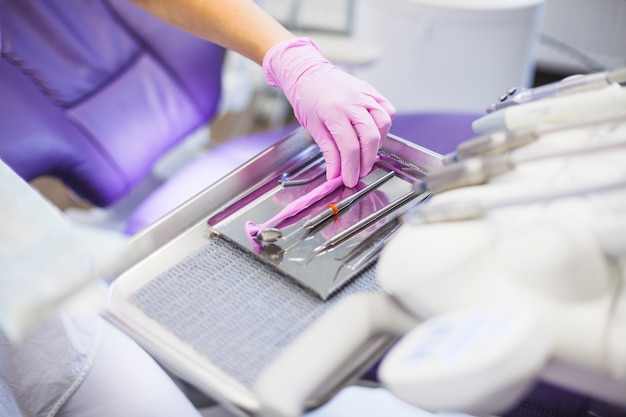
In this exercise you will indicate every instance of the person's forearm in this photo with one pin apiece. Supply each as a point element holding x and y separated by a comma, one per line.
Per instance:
<point>239,25</point>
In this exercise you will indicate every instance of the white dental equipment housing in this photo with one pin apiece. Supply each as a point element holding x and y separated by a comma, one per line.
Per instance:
<point>562,258</point>
<point>532,290</point>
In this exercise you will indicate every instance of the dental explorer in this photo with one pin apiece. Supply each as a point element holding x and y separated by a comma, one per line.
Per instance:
<point>272,234</point>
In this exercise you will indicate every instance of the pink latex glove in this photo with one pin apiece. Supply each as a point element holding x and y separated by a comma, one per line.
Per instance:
<point>346,117</point>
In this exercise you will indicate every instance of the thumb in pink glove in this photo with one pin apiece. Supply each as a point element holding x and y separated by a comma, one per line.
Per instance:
<point>346,117</point>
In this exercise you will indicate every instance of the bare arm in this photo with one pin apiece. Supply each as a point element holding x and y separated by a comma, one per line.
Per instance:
<point>239,25</point>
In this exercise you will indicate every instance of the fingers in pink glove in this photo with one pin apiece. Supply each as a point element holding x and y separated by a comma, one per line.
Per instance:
<point>357,144</point>
<point>370,138</point>
<point>382,118</point>
<point>344,157</point>
<point>351,138</point>
<point>371,123</point>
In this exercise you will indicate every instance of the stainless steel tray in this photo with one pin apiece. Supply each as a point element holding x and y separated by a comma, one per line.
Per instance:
<point>326,257</point>
<point>182,236</point>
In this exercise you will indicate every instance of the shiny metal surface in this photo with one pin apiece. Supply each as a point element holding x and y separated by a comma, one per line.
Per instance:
<point>288,153</point>
<point>166,243</point>
<point>272,234</point>
<point>345,203</point>
<point>293,246</point>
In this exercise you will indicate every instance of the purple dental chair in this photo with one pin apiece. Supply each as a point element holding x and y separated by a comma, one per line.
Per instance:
<point>94,93</point>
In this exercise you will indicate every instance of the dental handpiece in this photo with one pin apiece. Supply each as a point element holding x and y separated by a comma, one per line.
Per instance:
<point>608,101</point>
<point>473,171</point>
<point>478,170</point>
<point>491,144</point>
<point>469,210</point>
<point>502,141</point>
<point>573,84</point>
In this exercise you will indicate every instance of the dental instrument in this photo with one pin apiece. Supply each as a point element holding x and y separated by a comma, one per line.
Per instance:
<point>491,143</point>
<point>252,229</point>
<point>368,249</point>
<point>335,209</point>
<point>368,221</point>
<point>575,83</point>
<point>478,170</point>
<point>271,234</point>
<point>262,198</point>
<point>502,141</point>
<point>286,178</point>
<point>469,210</point>
<point>586,105</point>
<point>474,171</point>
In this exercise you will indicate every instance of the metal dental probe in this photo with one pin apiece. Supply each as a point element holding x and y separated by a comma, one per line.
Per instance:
<point>334,209</point>
<point>569,85</point>
<point>369,248</point>
<point>271,234</point>
<point>368,221</point>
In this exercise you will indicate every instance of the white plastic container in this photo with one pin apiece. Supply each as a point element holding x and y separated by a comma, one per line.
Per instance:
<point>449,55</point>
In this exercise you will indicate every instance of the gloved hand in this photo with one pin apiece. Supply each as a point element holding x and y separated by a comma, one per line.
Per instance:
<point>346,117</point>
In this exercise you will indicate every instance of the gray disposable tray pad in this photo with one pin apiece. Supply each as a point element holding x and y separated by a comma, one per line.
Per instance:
<point>235,310</point>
